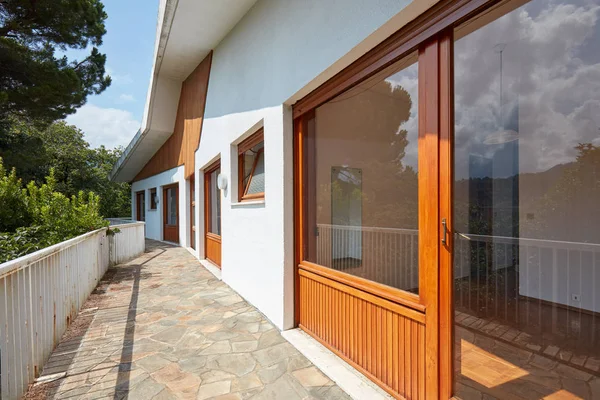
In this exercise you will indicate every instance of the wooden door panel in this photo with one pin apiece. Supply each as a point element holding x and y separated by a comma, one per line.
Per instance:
<point>170,231</point>
<point>399,340</point>
<point>213,248</point>
<point>212,240</point>
<point>382,339</point>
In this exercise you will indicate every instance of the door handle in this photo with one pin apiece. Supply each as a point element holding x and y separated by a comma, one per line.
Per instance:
<point>445,226</point>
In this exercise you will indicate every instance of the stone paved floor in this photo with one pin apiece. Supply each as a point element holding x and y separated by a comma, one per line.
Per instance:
<point>488,367</point>
<point>162,327</point>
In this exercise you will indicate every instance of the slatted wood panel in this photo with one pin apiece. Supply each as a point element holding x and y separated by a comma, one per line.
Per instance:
<point>384,340</point>
<point>180,146</point>
<point>213,248</point>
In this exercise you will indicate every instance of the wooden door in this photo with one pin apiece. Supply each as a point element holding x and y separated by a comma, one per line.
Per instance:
<point>381,312</point>
<point>212,214</point>
<point>171,213</point>
<point>140,206</point>
<point>192,212</point>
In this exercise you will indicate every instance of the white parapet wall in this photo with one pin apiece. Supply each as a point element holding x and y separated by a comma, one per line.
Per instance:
<point>127,243</point>
<point>41,294</point>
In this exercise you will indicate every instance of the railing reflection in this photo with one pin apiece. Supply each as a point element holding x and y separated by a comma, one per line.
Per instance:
<point>539,284</point>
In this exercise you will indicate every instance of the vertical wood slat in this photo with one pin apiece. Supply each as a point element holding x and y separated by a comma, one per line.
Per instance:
<point>387,346</point>
<point>180,147</point>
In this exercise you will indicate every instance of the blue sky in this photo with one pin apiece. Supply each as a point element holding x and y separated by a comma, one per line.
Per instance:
<point>113,117</point>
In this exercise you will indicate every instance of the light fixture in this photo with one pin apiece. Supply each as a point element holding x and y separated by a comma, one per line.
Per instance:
<point>156,198</point>
<point>222,182</point>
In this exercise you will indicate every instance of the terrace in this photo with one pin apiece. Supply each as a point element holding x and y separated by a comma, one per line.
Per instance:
<point>161,326</point>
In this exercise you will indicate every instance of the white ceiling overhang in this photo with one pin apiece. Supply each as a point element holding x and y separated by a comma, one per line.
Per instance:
<point>186,32</point>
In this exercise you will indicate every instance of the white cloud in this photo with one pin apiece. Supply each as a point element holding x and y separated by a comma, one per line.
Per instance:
<point>550,88</point>
<point>110,127</point>
<point>125,98</point>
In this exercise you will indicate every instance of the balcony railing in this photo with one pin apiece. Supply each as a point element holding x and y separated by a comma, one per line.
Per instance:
<point>511,279</point>
<point>41,294</point>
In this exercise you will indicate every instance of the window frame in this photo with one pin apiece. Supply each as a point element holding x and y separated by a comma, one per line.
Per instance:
<point>244,146</point>
<point>153,205</point>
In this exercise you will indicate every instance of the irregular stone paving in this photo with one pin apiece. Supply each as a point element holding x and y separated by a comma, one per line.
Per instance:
<point>163,327</point>
<point>488,368</point>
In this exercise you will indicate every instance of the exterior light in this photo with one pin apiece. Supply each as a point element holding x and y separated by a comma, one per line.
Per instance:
<point>222,182</point>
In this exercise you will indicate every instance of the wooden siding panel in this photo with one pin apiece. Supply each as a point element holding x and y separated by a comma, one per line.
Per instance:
<point>386,345</point>
<point>180,147</point>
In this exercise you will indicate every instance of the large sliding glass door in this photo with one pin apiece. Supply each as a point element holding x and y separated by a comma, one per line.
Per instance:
<point>447,204</point>
<point>367,220</point>
<point>526,201</point>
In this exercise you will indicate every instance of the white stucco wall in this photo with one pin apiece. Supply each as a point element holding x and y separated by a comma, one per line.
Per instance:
<point>274,52</point>
<point>257,237</point>
<point>280,46</point>
<point>154,218</point>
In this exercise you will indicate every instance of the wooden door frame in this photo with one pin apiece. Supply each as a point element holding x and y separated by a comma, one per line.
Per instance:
<point>165,208</point>
<point>207,205</point>
<point>432,34</point>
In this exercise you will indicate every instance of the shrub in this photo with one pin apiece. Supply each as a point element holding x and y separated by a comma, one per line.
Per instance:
<point>13,200</point>
<point>38,217</point>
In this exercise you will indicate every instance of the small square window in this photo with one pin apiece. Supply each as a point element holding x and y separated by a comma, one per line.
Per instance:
<point>153,199</point>
<point>251,163</point>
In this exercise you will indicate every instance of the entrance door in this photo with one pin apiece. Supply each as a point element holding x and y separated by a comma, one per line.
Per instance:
<point>192,212</point>
<point>212,214</point>
<point>171,213</point>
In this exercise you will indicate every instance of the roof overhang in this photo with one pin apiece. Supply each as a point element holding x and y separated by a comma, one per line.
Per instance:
<point>186,32</point>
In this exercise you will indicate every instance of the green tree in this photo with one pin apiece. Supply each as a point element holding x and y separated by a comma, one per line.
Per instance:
<point>14,212</point>
<point>33,152</point>
<point>36,83</point>
<point>115,197</point>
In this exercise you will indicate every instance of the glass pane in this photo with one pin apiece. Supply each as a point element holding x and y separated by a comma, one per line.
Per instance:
<point>362,191</point>
<point>257,182</point>
<point>215,204</point>
<point>249,160</point>
<point>526,196</point>
<point>153,199</point>
<point>172,206</point>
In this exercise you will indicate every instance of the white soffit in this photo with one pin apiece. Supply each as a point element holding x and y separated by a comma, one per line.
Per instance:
<point>187,31</point>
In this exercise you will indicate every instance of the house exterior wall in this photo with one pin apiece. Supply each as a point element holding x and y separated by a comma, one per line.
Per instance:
<point>154,218</point>
<point>281,46</point>
<point>255,70</point>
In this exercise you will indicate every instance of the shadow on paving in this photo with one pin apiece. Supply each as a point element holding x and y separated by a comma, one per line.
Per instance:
<point>81,337</point>
<point>163,327</point>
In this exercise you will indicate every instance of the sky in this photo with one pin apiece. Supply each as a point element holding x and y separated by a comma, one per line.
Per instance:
<point>113,117</point>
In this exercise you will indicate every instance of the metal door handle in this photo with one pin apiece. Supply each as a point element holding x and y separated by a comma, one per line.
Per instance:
<point>445,230</point>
